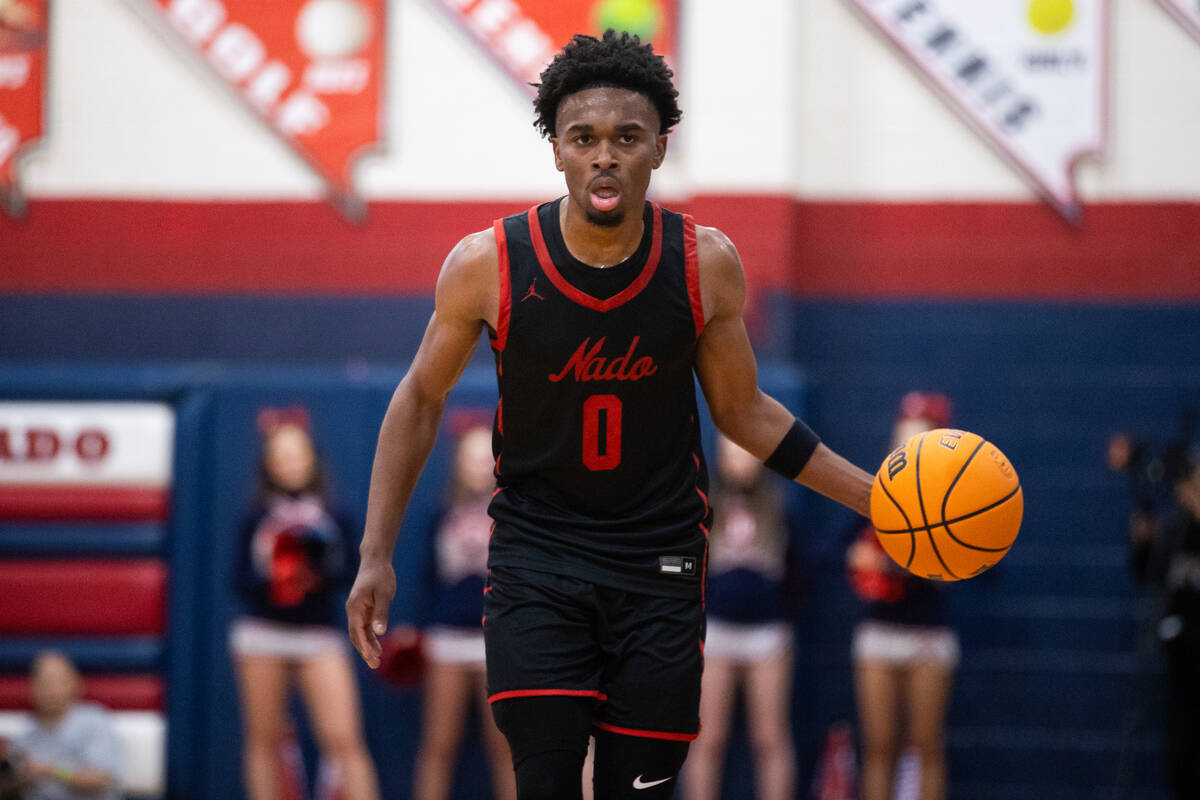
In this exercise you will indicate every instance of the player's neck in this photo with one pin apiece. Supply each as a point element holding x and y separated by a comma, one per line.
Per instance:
<point>599,245</point>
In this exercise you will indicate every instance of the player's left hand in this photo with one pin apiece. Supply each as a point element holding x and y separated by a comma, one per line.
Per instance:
<point>367,609</point>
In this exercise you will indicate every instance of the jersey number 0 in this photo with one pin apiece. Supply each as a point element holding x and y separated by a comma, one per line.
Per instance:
<point>608,407</point>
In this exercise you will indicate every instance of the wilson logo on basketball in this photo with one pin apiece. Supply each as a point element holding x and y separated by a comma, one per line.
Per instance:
<point>586,364</point>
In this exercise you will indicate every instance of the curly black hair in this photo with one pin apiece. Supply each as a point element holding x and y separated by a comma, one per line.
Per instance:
<point>616,60</point>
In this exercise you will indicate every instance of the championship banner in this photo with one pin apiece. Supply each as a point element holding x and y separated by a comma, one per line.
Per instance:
<point>1031,76</point>
<point>312,69</point>
<point>522,36</point>
<point>1187,12</point>
<point>23,29</point>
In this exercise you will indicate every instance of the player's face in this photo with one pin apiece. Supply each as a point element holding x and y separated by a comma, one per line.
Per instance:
<point>607,144</point>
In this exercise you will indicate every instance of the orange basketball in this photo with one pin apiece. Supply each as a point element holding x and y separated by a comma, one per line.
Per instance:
<point>947,505</point>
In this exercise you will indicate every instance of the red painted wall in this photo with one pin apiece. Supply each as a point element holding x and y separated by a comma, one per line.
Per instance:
<point>1138,251</point>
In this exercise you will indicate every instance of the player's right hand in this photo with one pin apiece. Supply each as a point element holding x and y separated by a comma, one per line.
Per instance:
<point>367,608</point>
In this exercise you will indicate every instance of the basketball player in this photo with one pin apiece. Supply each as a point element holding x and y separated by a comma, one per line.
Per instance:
<point>600,307</point>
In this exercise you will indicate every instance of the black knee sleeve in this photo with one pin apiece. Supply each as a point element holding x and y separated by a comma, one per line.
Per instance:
<point>548,737</point>
<point>636,767</point>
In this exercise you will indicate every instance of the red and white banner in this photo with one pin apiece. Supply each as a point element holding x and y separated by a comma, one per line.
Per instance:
<point>67,460</point>
<point>1030,75</point>
<point>23,36</point>
<point>312,69</point>
<point>1187,12</point>
<point>522,36</point>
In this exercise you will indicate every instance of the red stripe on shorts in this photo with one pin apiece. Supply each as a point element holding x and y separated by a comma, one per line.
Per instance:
<point>674,737</point>
<point>548,693</point>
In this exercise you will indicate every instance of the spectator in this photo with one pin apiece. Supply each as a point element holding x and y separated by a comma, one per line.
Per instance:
<point>455,672</point>
<point>748,644</point>
<point>295,553</point>
<point>1166,551</point>
<point>72,753</point>
<point>904,651</point>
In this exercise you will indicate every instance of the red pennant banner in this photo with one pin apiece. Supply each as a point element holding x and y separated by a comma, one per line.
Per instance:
<point>23,36</point>
<point>522,36</point>
<point>312,69</point>
<point>1187,12</point>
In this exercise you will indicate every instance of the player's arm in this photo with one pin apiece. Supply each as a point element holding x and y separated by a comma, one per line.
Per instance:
<point>467,297</point>
<point>729,378</point>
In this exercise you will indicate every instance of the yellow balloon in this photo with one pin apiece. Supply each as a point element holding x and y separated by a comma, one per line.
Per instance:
<point>1051,16</point>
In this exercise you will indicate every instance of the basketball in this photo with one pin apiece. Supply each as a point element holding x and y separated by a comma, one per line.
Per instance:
<point>946,505</point>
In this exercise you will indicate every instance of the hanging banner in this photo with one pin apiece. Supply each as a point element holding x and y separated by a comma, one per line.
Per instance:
<point>1031,76</point>
<point>312,69</point>
<point>23,39</point>
<point>1187,12</point>
<point>522,36</point>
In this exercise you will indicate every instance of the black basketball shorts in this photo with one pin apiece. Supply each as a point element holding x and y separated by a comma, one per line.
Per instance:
<point>640,656</point>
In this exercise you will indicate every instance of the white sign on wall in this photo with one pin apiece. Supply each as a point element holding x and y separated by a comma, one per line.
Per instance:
<point>1031,76</point>
<point>86,444</point>
<point>1186,11</point>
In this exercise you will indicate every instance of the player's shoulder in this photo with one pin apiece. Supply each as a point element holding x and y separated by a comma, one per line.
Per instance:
<point>474,258</point>
<point>468,284</point>
<point>473,251</point>
<point>722,282</point>
<point>716,251</point>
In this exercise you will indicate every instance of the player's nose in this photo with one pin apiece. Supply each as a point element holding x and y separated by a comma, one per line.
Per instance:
<point>605,157</point>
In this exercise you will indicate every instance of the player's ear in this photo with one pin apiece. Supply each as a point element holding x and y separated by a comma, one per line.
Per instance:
<point>660,150</point>
<point>558,161</point>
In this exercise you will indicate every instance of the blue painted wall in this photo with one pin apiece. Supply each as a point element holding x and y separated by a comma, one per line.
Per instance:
<point>1057,694</point>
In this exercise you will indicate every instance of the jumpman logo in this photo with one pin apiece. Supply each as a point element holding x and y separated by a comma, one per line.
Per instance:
<point>532,292</point>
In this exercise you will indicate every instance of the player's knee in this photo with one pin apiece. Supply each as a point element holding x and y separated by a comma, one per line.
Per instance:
<point>548,738</point>
<point>637,767</point>
<point>550,775</point>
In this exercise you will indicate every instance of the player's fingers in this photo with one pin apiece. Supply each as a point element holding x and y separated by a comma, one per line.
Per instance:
<point>374,626</point>
<point>358,621</point>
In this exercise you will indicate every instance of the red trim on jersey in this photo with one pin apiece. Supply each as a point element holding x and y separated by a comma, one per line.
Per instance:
<point>700,492</point>
<point>548,693</point>
<point>704,572</point>
<point>505,312</point>
<point>584,299</point>
<point>691,261</point>
<point>674,737</point>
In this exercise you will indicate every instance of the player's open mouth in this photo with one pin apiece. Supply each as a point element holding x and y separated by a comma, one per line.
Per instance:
<point>605,198</point>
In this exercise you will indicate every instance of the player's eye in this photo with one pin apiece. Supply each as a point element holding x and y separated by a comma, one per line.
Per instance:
<point>584,139</point>
<point>628,138</point>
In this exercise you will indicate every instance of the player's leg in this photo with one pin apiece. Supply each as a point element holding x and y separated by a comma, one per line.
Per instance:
<point>543,676</point>
<point>448,688</point>
<point>652,679</point>
<point>768,713</point>
<point>703,770</point>
<point>327,682</point>
<point>499,756</point>
<point>263,686</point>
<point>548,737</point>
<point>930,678</point>
<point>638,767</point>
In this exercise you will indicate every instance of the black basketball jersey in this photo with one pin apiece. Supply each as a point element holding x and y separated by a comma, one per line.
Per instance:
<point>597,440</point>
